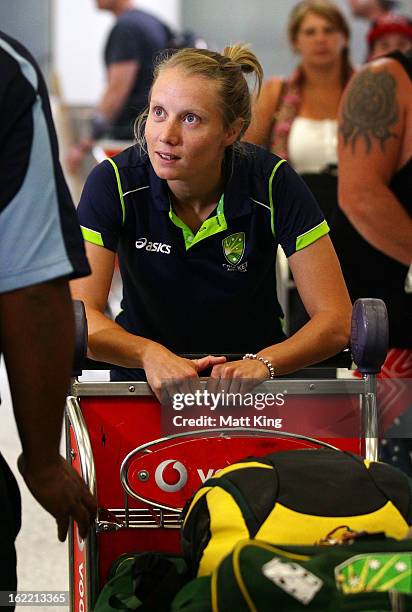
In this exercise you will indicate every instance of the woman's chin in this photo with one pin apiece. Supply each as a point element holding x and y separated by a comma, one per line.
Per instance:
<point>168,174</point>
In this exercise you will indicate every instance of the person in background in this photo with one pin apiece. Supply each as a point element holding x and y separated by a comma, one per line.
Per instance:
<point>373,229</point>
<point>196,217</point>
<point>371,9</point>
<point>296,117</point>
<point>40,250</point>
<point>133,43</point>
<point>392,32</point>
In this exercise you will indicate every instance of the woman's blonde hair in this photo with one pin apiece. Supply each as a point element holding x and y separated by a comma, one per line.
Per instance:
<point>330,12</point>
<point>226,69</point>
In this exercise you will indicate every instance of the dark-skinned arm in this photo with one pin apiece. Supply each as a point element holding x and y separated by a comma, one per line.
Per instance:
<point>37,335</point>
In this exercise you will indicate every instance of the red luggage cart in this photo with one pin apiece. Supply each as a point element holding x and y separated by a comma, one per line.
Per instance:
<point>142,480</point>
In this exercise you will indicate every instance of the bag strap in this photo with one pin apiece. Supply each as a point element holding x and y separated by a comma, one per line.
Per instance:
<point>279,99</point>
<point>281,95</point>
<point>248,515</point>
<point>282,91</point>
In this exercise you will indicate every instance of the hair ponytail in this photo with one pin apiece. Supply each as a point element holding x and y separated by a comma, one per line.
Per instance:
<point>247,60</point>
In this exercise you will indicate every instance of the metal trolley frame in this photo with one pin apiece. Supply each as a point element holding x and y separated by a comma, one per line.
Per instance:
<point>140,517</point>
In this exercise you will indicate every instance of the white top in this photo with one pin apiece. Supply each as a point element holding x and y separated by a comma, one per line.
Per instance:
<point>312,144</point>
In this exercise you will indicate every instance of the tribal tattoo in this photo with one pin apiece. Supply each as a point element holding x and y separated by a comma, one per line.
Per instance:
<point>370,109</point>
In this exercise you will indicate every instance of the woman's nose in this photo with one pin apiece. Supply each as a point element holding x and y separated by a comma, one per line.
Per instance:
<point>321,35</point>
<point>170,132</point>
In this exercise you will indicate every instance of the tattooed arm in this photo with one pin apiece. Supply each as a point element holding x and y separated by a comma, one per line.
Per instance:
<point>374,129</point>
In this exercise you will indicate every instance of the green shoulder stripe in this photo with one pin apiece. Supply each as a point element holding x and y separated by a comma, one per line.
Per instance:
<point>119,187</point>
<point>92,236</point>
<point>312,235</point>
<point>272,206</point>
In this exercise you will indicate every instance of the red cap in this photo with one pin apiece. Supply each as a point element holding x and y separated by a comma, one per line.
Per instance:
<point>390,23</point>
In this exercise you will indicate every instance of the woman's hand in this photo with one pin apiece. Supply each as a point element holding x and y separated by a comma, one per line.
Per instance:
<point>238,376</point>
<point>168,374</point>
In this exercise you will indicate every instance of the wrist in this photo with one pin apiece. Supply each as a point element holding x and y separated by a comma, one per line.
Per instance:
<point>268,364</point>
<point>149,352</point>
<point>98,125</point>
<point>38,464</point>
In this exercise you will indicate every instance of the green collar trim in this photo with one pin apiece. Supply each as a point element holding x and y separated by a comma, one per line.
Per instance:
<point>209,227</point>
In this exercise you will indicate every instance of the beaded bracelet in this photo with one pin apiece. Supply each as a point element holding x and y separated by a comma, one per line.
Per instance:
<point>267,363</point>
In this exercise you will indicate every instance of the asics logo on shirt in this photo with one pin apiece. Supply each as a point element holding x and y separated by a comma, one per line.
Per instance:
<point>156,247</point>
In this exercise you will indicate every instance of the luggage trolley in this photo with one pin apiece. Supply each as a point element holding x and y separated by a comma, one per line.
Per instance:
<point>143,480</point>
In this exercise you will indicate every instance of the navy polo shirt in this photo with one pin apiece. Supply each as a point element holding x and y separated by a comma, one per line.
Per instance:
<point>213,291</point>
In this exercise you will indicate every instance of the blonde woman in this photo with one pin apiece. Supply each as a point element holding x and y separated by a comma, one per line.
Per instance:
<point>195,218</point>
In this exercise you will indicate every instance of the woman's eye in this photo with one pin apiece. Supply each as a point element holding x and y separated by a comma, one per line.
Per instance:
<point>191,118</point>
<point>158,112</point>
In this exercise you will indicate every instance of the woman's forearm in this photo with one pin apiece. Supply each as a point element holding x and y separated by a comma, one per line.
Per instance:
<point>322,337</point>
<point>108,342</point>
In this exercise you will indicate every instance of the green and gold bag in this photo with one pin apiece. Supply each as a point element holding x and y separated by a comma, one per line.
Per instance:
<point>372,574</point>
<point>292,497</point>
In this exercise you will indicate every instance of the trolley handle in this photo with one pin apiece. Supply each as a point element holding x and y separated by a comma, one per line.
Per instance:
<point>369,334</point>
<point>341,360</point>
<point>369,341</point>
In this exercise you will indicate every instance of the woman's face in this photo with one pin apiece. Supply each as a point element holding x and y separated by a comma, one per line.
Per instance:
<point>318,41</point>
<point>184,131</point>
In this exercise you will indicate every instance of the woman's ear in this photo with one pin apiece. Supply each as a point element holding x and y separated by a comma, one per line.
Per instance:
<point>233,131</point>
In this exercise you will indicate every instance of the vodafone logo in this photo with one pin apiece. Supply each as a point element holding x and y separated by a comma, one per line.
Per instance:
<point>166,479</point>
<point>160,480</point>
<point>153,247</point>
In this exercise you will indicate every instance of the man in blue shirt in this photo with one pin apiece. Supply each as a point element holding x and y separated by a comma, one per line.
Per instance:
<point>133,43</point>
<point>40,250</point>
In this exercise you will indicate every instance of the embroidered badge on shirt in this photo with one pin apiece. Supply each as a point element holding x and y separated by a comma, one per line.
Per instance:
<point>234,247</point>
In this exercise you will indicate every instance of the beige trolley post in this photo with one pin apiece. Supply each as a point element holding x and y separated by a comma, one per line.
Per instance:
<point>141,479</point>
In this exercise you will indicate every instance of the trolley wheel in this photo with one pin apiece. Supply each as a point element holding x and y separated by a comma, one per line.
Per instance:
<point>369,334</point>
<point>80,330</point>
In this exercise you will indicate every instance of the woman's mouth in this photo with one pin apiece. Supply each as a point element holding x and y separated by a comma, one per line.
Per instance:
<point>167,156</point>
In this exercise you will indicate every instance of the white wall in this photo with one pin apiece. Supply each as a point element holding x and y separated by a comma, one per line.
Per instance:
<point>79,34</point>
<point>263,24</point>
